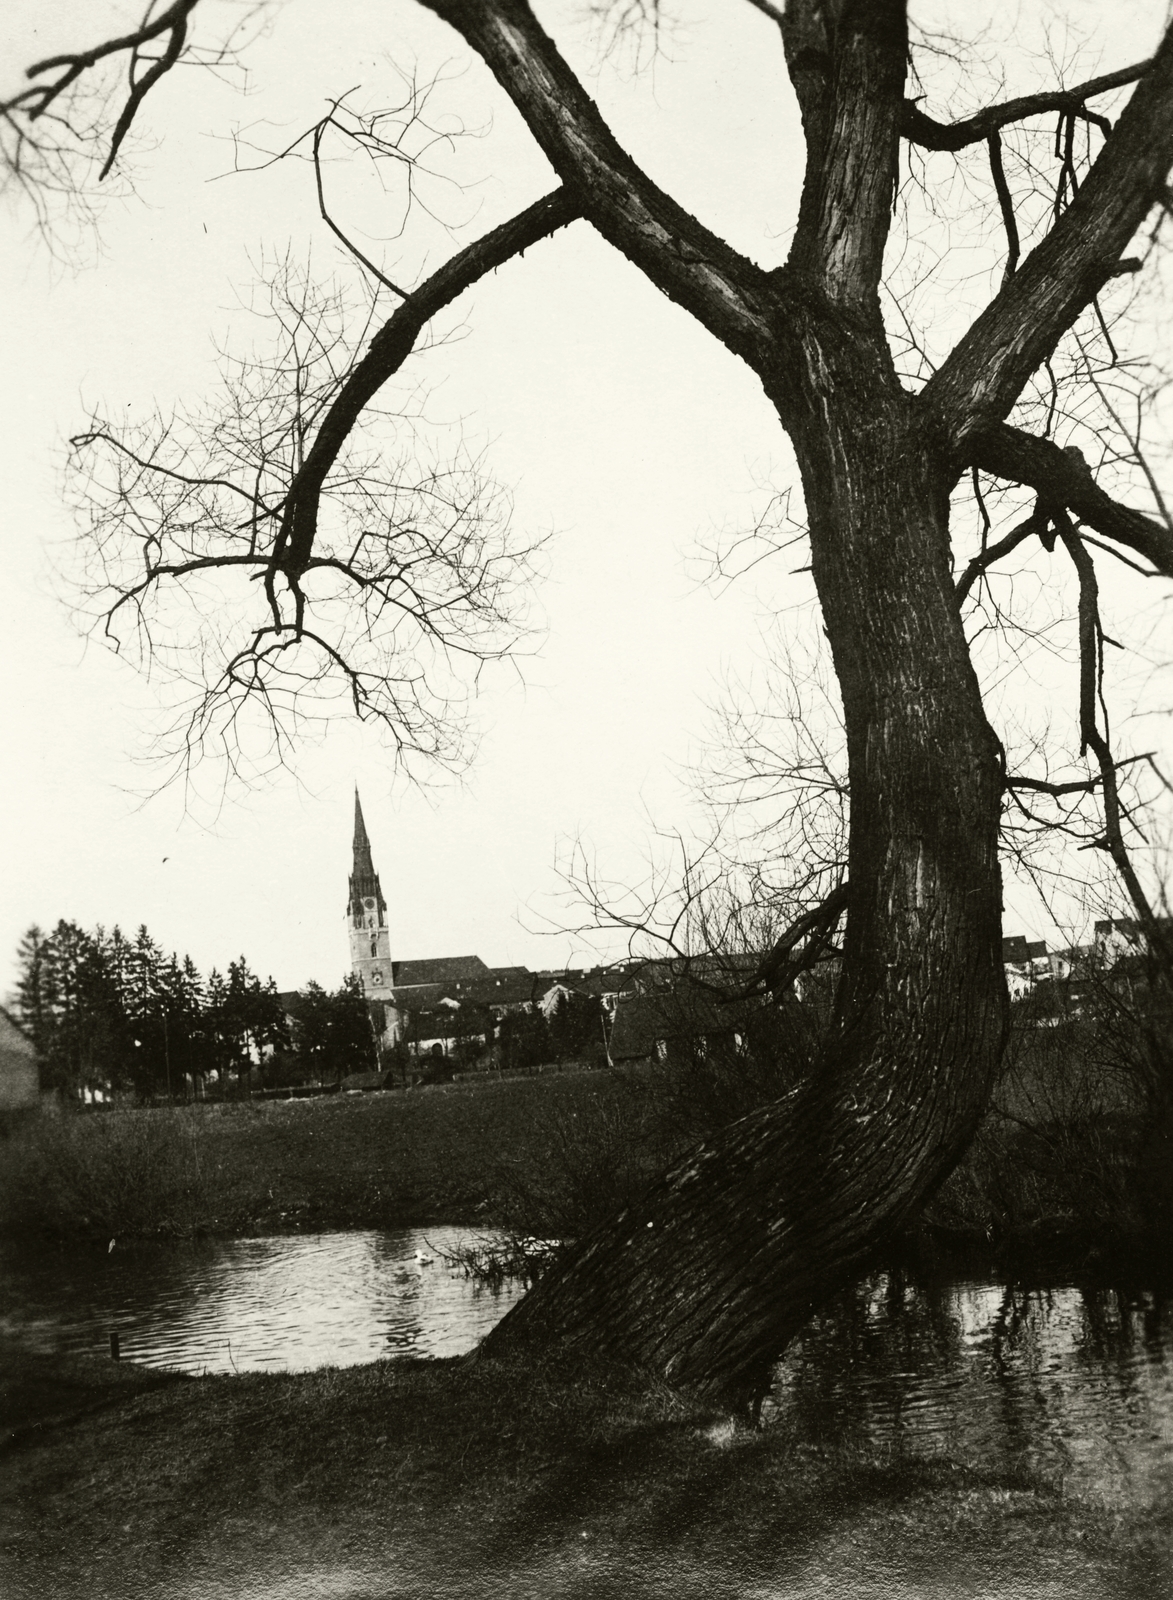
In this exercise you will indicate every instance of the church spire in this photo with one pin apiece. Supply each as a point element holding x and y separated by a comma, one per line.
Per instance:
<point>365,893</point>
<point>362,844</point>
<point>366,916</point>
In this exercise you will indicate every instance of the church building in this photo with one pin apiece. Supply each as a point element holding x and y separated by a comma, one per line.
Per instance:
<point>432,1003</point>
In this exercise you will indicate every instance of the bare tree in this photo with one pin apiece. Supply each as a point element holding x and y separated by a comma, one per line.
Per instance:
<point>708,1276</point>
<point>412,582</point>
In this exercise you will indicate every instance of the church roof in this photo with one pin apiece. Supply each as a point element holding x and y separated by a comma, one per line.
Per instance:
<point>444,969</point>
<point>468,982</point>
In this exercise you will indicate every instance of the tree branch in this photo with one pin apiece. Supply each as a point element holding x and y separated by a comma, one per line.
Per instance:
<point>1005,204</point>
<point>767,8</point>
<point>1035,523</point>
<point>984,375</point>
<point>785,961</point>
<point>1075,786</point>
<point>35,101</point>
<point>848,68</point>
<point>1063,478</point>
<point>723,289</point>
<point>923,130</point>
<point>1090,647</point>
<point>141,87</point>
<point>388,350</point>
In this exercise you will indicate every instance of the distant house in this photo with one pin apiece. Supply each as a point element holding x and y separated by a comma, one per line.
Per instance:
<point>20,1077</point>
<point>1028,962</point>
<point>684,1007</point>
<point>655,1027</point>
<point>1120,938</point>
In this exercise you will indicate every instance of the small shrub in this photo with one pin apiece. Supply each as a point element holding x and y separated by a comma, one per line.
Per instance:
<point>110,1173</point>
<point>596,1160</point>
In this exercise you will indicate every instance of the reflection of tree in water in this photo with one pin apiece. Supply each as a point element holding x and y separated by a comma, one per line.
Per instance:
<point>861,1363</point>
<point>1123,1354</point>
<point>1073,1383</point>
<point>1018,1338</point>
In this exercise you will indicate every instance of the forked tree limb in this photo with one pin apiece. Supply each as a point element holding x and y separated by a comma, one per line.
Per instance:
<point>387,352</point>
<point>848,66</point>
<point>1091,738</point>
<point>728,294</point>
<point>980,380</point>
<point>39,98</point>
<point>1061,477</point>
<point>785,961</point>
<point>1035,523</point>
<point>1057,791</point>
<point>931,135</point>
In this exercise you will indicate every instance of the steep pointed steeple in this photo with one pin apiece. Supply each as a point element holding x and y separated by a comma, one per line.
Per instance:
<point>366,914</point>
<point>364,880</point>
<point>362,844</point>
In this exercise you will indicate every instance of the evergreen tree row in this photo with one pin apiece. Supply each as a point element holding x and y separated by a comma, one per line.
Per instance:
<point>112,1015</point>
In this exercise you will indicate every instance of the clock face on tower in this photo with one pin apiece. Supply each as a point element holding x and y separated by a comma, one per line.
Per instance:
<point>369,903</point>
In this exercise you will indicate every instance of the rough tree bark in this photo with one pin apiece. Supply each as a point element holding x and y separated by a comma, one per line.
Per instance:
<point>722,1261</point>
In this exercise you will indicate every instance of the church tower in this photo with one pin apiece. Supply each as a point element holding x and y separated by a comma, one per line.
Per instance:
<point>366,917</point>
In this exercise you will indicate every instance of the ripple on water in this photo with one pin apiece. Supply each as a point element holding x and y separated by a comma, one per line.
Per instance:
<point>1076,1384</point>
<point>249,1305</point>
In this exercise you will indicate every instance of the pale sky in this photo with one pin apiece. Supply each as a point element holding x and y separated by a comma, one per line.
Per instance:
<point>619,425</point>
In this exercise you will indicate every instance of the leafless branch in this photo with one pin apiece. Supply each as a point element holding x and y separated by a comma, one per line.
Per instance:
<point>411,570</point>
<point>923,130</point>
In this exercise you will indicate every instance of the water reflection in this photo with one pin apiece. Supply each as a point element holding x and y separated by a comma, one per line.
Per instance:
<point>1074,1383</point>
<point>250,1305</point>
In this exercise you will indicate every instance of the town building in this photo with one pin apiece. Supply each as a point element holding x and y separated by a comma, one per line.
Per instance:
<point>20,1078</point>
<point>431,1005</point>
<point>1028,962</point>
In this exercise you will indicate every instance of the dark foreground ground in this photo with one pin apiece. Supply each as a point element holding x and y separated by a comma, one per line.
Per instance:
<point>442,1479</point>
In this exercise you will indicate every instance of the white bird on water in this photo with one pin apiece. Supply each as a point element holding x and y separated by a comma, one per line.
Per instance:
<point>423,1259</point>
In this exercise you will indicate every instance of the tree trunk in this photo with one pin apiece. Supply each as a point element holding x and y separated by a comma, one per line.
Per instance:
<point>706,1279</point>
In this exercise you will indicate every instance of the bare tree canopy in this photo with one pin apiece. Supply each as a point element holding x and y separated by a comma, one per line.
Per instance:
<point>902,402</point>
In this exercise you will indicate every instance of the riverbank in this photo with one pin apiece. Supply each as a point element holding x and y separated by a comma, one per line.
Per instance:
<point>247,1169</point>
<point>546,1156</point>
<point>443,1479</point>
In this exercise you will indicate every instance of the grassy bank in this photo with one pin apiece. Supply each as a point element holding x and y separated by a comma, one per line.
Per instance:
<point>381,1160</point>
<point>425,1479</point>
<point>1055,1180</point>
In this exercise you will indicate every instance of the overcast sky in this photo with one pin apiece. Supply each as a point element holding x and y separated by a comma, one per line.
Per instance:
<point>620,427</point>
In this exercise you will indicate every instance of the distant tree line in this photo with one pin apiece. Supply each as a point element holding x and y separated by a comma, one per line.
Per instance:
<point>110,1015</point>
<point>331,1036</point>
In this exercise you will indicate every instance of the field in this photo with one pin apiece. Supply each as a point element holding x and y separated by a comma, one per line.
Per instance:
<point>1047,1185</point>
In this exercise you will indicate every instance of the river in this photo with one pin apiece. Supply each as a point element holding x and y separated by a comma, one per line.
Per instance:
<point>1072,1382</point>
<point>252,1305</point>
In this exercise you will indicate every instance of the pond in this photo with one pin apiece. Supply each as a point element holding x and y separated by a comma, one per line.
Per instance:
<point>252,1305</point>
<point>1073,1382</point>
